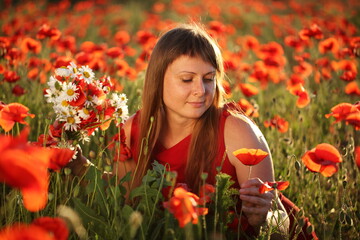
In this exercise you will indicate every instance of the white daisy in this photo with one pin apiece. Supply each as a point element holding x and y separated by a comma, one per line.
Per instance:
<point>97,101</point>
<point>69,92</point>
<point>87,74</point>
<point>51,95</point>
<point>122,113</point>
<point>73,69</point>
<point>84,113</point>
<point>72,122</point>
<point>83,136</point>
<point>63,72</point>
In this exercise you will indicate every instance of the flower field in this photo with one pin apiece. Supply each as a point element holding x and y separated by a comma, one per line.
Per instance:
<point>71,72</point>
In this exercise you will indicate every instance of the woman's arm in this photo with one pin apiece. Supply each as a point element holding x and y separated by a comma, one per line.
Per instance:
<point>240,132</point>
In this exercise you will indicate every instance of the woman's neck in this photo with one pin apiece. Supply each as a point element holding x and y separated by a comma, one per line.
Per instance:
<point>174,130</point>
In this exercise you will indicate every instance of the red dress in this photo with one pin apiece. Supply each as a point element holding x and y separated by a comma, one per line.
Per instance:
<point>176,157</point>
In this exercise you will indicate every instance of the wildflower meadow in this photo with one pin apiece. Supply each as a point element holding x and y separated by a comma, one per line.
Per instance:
<point>71,73</point>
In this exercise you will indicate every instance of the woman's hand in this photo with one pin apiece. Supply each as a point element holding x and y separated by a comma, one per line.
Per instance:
<point>255,205</point>
<point>78,165</point>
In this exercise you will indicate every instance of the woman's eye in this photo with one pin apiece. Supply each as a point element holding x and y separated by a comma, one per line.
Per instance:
<point>187,80</point>
<point>209,79</point>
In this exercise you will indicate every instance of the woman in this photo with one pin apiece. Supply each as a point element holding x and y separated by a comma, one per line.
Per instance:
<point>193,130</point>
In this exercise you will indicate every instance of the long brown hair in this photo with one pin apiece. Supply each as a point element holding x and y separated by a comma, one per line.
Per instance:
<point>190,40</point>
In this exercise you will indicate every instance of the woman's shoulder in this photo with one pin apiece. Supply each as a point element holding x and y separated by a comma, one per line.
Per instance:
<point>242,132</point>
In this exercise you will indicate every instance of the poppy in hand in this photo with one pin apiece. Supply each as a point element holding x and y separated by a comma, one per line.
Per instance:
<point>250,157</point>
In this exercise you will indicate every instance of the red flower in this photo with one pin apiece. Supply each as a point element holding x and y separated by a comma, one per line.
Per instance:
<point>352,88</point>
<point>55,226</point>
<point>277,122</point>
<point>24,231</point>
<point>59,158</point>
<point>18,90</point>
<point>41,228</point>
<point>268,186</point>
<point>25,167</point>
<point>184,206</point>
<point>250,157</point>
<point>350,113</point>
<point>46,31</point>
<point>313,31</point>
<point>303,97</point>
<point>248,89</point>
<point>12,113</point>
<point>11,76</point>
<point>357,156</point>
<point>323,159</point>
<point>206,191</point>
<point>330,44</point>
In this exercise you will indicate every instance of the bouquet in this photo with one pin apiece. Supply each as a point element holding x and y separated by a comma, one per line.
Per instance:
<point>82,104</point>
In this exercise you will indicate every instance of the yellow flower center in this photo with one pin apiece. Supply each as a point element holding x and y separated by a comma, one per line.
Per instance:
<point>89,98</point>
<point>64,103</point>
<point>86,74</point>
<point>86,111</point>
<point>120,111</point>
<point>70,120</point>
<point>70,92</point>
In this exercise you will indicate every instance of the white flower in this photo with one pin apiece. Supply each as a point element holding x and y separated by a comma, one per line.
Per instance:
<point>51,95</point>
<point>73,69</point>
<point>63,72</point>
<point>84,113</point>
<point>72,121</point>
<point>69,92</point>
<point>118,100</point>
<point>83,136</point>
<point>52,81</point>
<point>97,101</point>
<point>87,74</point>
<point>122,113</point>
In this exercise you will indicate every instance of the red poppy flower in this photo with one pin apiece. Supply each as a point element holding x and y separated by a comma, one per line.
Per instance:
<point>357,156</point>
<point>122,37</point>
<point>59,158</point>
<point>24,231</point>
<point>55,226</point>
<point>18,90</point>
<point>352,88</point>
<point>11,76</point>
<point>46,31</point>
<point>303,97</point>
<point>269,186</point>
<point>248,108</point>
<point>30,45</point>
<point>346,111</point>
<point>329,45</point>
<point>12,113</point>
<point>25,166</point>
<point>277,122</point>
<point>323,159</point>
<point>115,52</point>
<point>184,206</point>
<point>248,89</point>
<point>314,31</point>
<point>250,157</point>
<point>206,192</point>
<point>41,228</point>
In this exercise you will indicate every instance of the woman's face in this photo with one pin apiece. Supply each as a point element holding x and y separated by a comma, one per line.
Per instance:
<point>189,88</point>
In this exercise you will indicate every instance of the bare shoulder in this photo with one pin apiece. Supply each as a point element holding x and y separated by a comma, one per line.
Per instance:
<point>241,132</point>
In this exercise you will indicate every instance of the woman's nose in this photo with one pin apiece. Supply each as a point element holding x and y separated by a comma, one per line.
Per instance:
<point>199,88</point>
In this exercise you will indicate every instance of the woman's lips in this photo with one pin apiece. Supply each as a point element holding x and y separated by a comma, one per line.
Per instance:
<point>196,104</point>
